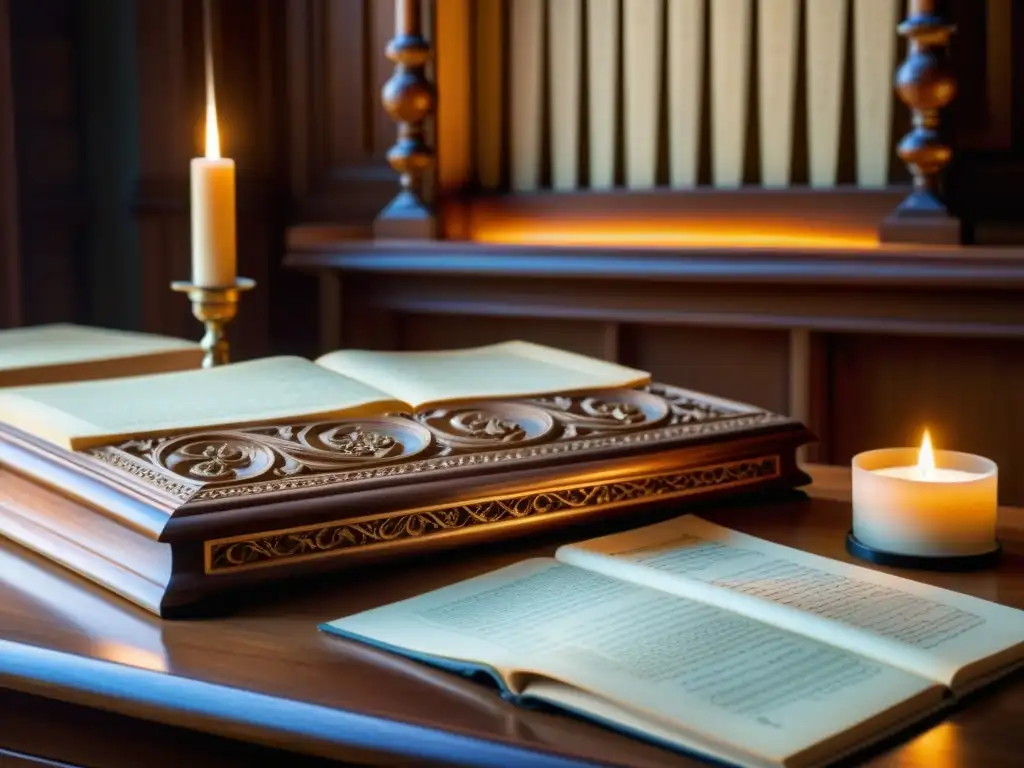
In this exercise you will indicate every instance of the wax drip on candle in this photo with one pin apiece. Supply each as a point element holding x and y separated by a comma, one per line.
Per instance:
<point>926,457</point>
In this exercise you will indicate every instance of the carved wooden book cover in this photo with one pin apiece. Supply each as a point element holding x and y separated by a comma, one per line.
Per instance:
<point>247,504</point>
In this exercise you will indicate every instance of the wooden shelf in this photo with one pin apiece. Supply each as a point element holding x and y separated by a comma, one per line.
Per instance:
<point>995,268</point>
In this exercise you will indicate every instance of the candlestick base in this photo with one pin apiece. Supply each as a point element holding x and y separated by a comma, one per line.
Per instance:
<point>214,307</point>
<point>857,548</point>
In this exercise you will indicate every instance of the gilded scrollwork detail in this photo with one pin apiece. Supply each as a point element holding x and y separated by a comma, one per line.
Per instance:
<point>272,548</point>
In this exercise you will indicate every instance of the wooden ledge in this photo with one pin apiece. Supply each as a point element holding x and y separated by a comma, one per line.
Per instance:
<point>976,267</point>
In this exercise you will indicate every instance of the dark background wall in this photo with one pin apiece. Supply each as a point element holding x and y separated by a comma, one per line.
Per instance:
<point>102,111</point>
<point>101,108</point>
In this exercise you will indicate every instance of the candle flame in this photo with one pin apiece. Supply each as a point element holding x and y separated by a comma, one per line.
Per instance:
<point>926,456</point>
<point>212,135</point>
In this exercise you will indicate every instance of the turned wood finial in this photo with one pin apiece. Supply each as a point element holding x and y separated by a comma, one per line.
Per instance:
<point>926,84</point>
<point>408,97</point>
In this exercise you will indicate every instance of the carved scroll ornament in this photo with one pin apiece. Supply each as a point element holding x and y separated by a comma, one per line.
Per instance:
<point>219,464</point>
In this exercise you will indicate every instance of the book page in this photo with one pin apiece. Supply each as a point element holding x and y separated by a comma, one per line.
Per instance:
<point>84,414</point>
<point>937,633</point>
<point>691,668</point>
<point>62,352</point>
<point>511,369</point>
<point>65,343</point>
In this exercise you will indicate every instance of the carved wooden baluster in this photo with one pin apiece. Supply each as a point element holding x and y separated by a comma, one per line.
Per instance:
<point>409,100</point>
<point>925,82</point>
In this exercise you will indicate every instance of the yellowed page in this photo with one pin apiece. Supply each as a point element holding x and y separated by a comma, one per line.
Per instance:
<point>45,350</point>
<point>85,414</point>
<point>704,676</point>
<point>936,633</point>
<point>509,369</point>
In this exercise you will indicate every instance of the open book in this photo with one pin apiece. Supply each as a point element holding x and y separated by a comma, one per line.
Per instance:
<point>711,641</point>
<point>61,352</point>
<point>346,383</point>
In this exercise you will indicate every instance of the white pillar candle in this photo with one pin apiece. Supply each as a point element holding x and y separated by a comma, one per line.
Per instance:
<point>213,212</point>
<point>925,503</point>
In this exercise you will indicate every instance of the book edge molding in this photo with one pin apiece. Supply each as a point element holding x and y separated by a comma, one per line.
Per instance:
<point>142,589</point>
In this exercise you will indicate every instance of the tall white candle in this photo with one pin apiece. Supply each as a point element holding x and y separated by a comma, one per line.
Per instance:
<point>213,202</point>
<point>925,503</point>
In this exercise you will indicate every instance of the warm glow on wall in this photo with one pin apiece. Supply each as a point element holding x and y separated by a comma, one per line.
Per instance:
<point>663,234</point>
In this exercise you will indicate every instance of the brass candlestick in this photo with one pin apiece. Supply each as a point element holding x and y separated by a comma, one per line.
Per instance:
<point>214,308</point>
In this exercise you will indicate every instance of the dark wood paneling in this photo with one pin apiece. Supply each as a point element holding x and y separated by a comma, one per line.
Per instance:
<point>166,144</point>
<point>987,118</point>
<point>10,267</point>
<point>109,91</point>
<point>421,332</point>
<point>51,169</point>
<point>338,131</point>
<point>749,366</point>
<point>983,60</point>
<point>968,392</point>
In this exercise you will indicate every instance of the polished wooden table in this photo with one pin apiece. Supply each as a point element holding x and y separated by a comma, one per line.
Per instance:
<point>88,680</point>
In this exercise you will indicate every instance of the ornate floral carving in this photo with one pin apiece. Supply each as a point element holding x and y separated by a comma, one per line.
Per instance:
<point>482,425</point>
<point>218,461</point>
<point>360,444</point>
<point>223,464</point>
<point>252,455</point>
<point>271,548</point>
<point>626,414</point>
<point>487,426</point>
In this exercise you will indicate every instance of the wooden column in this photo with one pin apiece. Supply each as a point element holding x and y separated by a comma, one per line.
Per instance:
<point>925,82</point>
<point>10,267</point>
<point>409,100</point>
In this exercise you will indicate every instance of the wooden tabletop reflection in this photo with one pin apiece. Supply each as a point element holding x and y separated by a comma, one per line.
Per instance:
<point>264,673</point>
